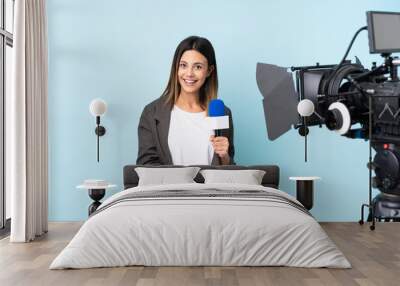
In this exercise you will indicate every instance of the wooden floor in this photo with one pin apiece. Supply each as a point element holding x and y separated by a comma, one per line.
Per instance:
<point>374,255</point>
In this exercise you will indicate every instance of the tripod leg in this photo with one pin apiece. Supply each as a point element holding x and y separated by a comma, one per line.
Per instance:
<point>372,214</point>
<point>361,221</point>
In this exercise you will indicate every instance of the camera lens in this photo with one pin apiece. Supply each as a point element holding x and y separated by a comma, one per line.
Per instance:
<point>338,118</point>
<point>334,119</point>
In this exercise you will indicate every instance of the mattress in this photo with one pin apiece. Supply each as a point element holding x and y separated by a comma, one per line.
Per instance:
<point>201,225</point>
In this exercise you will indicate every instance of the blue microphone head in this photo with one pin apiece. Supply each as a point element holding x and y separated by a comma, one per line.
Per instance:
<point>216,107</point>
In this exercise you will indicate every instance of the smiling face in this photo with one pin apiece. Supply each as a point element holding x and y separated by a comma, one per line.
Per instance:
<point>193,71</point>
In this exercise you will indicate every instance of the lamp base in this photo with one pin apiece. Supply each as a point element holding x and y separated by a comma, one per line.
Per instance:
<point>303,130</point>
<point>96,195</point>
<point>100,130</point>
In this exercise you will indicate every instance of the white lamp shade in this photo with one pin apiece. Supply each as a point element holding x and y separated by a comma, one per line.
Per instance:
<point>305,107</point>
<point>98,107</point>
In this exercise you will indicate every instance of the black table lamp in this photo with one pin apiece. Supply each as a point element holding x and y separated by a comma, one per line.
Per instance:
<point>98,107</point>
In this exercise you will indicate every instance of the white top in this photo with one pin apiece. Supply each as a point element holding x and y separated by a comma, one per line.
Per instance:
<point>304,178</point>
<point>189,138</point>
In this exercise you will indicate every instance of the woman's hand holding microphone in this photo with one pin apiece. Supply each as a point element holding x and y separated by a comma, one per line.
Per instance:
<point>221,147</point>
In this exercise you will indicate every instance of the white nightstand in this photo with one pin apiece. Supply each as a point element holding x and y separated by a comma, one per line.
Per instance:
<point>305,190</point>
<point>96,190</point>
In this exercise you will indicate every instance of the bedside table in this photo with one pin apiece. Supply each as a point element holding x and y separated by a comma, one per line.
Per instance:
<point>96,190</point>
<point>305,190</point>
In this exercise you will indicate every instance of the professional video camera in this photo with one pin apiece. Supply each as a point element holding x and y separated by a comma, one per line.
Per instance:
<point>341,96</point>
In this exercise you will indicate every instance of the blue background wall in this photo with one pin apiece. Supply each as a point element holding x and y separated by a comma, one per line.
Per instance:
<point>121,51</point>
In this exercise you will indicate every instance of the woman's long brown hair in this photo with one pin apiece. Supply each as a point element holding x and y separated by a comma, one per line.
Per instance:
<point>210,87</point>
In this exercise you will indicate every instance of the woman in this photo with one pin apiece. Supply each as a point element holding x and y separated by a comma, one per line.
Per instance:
<point>172,129</point>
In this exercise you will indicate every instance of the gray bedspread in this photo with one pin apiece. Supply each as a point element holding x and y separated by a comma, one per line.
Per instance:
<point>201,224</point>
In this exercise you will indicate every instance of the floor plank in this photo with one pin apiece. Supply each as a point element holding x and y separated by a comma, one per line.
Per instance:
<point>374,255</point>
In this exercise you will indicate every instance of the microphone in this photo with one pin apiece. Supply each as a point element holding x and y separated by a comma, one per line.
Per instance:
<point>217,119</point>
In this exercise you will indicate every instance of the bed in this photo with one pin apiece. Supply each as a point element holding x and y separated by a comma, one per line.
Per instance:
<point>201,224</point>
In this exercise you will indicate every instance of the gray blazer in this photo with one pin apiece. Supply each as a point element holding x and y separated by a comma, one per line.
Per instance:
<point>153,135</point>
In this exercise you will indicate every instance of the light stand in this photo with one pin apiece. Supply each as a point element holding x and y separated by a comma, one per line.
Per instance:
<point>370,166</point>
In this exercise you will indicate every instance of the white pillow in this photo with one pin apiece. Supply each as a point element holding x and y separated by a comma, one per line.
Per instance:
<point>163,176</point>
<point>248,177</point>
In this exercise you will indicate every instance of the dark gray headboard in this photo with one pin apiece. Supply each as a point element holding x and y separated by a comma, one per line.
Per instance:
<point>271,177</point>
